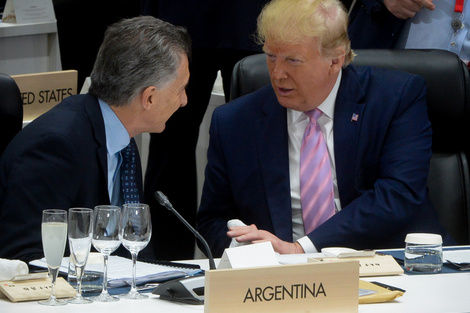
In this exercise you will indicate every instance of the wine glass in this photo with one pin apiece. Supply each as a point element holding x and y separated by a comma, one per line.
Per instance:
<point>106,240</point>
<point>135,233</point>
<point>80,229</point>
<point>54,236</point>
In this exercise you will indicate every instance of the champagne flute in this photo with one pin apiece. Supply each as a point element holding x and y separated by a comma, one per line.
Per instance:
<point>106,240</point>
<point>54,236</point>
<point>135,233</point>
<point>80,229</point>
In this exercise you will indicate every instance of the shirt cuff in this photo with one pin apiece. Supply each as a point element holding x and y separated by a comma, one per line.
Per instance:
<point>307,245</point>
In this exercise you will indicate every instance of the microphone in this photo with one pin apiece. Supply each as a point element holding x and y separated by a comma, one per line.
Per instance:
<point>163,200</point>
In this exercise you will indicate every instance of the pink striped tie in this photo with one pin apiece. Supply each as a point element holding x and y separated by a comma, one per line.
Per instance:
<point>316,183</point>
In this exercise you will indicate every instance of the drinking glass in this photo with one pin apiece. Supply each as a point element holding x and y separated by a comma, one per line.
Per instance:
<point>106,240</point>
<point>135,233</point>
<point>80,229</point>
<point>54,236</point>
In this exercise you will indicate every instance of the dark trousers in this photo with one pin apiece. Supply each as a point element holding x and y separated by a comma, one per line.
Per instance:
<point>172,155</point>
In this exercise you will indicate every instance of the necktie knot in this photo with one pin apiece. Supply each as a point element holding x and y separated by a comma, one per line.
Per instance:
<point>313,115</point>
<point>129,151</point>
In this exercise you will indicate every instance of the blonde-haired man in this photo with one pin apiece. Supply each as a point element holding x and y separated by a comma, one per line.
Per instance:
<point>373,128</point>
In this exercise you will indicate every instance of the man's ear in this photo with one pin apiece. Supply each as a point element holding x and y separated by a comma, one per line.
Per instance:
<point>337,62</point>
<point>149,97</point>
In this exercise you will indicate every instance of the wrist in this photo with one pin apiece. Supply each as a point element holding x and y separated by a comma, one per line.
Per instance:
<point>298,248</point>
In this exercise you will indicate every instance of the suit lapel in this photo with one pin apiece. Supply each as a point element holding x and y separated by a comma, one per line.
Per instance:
<point>271,131</point>
<point>96,118</point>
<point>347,121</point>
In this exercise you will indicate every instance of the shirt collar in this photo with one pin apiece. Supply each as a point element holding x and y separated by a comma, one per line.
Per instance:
<point>117,137</point>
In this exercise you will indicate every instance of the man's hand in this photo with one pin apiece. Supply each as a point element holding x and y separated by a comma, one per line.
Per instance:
<point>253,234</point>
<point>405,9</point>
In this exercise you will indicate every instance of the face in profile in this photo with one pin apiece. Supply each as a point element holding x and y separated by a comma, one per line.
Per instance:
<point>171,97</point>
<point>301,77</point>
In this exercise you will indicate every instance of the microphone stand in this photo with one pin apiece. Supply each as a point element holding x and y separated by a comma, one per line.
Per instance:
<point>163,200</point>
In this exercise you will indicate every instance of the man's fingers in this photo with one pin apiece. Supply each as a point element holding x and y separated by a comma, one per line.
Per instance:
<point>426,4</point>
<point>237,231</point>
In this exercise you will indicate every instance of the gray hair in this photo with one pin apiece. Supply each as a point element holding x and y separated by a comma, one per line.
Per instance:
<point>137,53</point>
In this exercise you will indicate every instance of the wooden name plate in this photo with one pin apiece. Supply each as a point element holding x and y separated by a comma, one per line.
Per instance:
<point>311,287</point>
<point>378,265</point>
<point>41,92</point>
<point>37,289</point>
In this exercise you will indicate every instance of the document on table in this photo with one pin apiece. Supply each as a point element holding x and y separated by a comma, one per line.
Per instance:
<point>457,256</point>
<point>120,271</point>
<point>297,258</point>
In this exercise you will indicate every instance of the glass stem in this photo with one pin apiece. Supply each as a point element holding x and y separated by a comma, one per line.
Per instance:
<point>134,260</point>
<point>79,272</point>
<point>53,273</point>
<point>105,274</point>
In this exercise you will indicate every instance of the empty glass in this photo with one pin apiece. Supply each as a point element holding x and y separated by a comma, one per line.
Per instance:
<point>80,228</point>
<point>135,233</point>
<point>106,240</point>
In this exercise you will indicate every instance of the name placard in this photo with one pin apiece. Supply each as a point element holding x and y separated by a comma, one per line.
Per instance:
<point>252,255</point>
<point>378,265</point>
<point>28,11</point>
<point>37,289</point>
<point>309,287</point>
<point>42,91</point>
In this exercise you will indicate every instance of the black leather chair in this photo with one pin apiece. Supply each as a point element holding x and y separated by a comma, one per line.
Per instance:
<point>11,110</point>
<point>448,101</point>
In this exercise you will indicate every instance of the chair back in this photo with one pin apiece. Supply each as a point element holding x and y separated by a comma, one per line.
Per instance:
<point>448,101</point>
<point>11,110</point>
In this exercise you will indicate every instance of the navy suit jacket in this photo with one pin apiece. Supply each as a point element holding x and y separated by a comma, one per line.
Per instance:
<point>382,163</point>
<point>372,26</point>
<point>57,161</point>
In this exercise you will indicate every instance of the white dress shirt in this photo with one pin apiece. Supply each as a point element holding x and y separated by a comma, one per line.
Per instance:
<point>296,124</point>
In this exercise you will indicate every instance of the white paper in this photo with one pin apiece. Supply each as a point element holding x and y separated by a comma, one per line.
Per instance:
<point>457,256</point>
<point>120,268</point>
<point>254,255</point>
<point>33,11</point>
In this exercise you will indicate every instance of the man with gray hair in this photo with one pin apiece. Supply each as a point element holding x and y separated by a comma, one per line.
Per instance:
<point>328,154</point>
<point>72,156</point>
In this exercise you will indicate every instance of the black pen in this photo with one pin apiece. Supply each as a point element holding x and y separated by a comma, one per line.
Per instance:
<point>388,287</point>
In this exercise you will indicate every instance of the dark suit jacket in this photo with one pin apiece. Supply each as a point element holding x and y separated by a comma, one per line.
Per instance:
<point>57,161</point>
<point>382,162</point>
<point>372,26</point>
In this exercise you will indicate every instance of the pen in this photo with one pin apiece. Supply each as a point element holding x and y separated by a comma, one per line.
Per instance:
<point>391,288</point>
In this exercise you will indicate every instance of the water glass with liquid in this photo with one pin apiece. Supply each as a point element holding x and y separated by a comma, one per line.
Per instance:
<point>423,253</point>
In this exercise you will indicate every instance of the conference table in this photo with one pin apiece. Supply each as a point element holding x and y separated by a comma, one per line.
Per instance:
<point>424,293</point>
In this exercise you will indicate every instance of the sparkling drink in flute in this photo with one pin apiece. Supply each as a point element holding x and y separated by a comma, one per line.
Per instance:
<point>54,236</point>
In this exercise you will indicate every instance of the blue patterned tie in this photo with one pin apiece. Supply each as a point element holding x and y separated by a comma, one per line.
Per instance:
<point>130,191</point>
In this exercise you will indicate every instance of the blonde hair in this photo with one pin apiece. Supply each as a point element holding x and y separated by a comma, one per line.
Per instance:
<point>292,21</point>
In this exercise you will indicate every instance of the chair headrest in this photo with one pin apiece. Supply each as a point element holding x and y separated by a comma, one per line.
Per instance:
<point>10,95</point>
